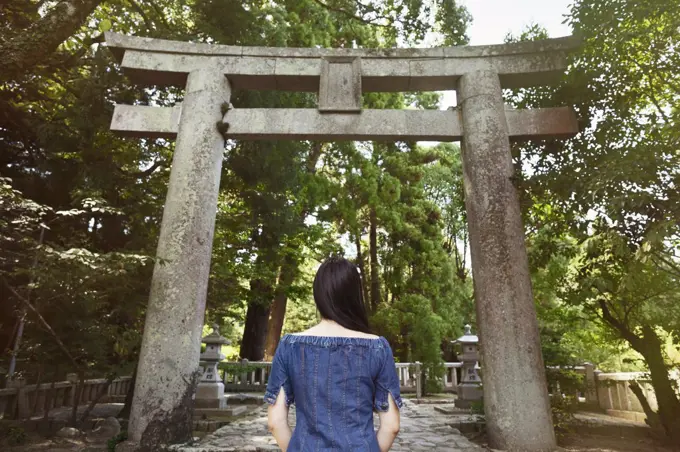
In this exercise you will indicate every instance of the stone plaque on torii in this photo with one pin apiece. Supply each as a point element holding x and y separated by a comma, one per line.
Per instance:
<point>515,391</point>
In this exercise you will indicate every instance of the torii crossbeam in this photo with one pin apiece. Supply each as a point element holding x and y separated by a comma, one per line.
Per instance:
<point>515,391</point>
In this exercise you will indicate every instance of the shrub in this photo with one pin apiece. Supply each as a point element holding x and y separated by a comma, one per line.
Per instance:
<point>16,436</point>
<point>113,442</point>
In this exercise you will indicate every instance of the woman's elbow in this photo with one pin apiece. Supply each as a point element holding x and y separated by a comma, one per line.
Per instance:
<point>391,427</point>
<point>273,425</point>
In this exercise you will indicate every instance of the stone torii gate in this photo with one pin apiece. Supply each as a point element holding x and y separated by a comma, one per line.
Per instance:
<point>515,393</point>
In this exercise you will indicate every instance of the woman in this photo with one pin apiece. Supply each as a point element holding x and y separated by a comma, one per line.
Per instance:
<point>336,373</point>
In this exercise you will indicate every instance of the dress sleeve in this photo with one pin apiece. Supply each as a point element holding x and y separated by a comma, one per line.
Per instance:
<point>279,377</point>
<point>386,380</point>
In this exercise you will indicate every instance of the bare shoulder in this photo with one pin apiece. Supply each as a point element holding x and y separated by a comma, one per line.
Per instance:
<point>326,331</point>
<point>361,335</point>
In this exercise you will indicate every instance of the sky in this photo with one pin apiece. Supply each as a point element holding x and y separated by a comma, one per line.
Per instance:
<point>492,20</point>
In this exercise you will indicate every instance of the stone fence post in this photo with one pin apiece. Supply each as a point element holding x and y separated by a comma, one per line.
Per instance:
<point>591,384</point>
<point>419,380</point>
<point>243,380</point>
<point>73,392</point>
<point>23,410</point>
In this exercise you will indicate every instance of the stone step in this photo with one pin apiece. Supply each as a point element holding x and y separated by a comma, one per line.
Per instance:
<point>451,410</point>
<point>208,420</point>
<point>244,399</point>
<point>219,413</point>
<point>433,401</point>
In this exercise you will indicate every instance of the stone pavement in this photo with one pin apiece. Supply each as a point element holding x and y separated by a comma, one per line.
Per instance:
<point>422,429</point>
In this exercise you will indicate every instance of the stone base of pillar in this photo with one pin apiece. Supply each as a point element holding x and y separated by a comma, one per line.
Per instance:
<point>210,395</point>
<point>468,394</point>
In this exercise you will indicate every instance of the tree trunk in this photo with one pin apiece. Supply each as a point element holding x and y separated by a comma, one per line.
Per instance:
<point>255,332</point>
<point>257,316</point>
<point>373,244</point>
<point>22,51</point>
<point>650,347</point>
<point>277,313</point>
<point>51,394</point>
<point>112,234</point>
<point>287,273</point>
<point>362,269</point>
<point>260,296</point>
<point>652,416</point>
<point>667,399</point>
<point>34,408</point>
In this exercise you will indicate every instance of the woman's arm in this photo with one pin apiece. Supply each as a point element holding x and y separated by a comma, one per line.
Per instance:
<point>389,426</point>
<point>278,421</point>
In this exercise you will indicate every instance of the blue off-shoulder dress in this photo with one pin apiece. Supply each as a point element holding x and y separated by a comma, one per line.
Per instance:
<point>335,383</point>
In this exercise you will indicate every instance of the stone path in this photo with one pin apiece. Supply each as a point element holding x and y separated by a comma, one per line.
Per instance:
<point>422,429</point>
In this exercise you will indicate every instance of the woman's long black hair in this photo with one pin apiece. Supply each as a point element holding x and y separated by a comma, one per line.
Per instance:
<point>338,294</point>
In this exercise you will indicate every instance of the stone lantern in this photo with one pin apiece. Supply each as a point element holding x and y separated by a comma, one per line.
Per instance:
<point>210,390</point>
<point>470,387</point>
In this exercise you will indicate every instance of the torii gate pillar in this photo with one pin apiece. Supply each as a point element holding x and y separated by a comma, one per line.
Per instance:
<point>516,405</point>
<point>167,374</point>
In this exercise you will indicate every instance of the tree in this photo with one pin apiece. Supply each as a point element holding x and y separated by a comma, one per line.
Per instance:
<point>420,299</point>
<point>30,37</point>
<point>291,261</point>
<point>638,300</point>
<point>100,196</point>
<point>73,306</point>
<point>615,183</point>
<point>444,185</point>
<point>269,175</point>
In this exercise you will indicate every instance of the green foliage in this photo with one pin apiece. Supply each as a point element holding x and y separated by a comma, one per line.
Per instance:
<point>603,207</point>
<point>113,442</point>
<point>610,191</point>
<point>563,410</point>
<point>433,376</point>
<point>237,369</point>
<point>16,436</point>
<point>395,189</point>
<point>477,407</point>
<point>301,313</point>
<point>79,292</point>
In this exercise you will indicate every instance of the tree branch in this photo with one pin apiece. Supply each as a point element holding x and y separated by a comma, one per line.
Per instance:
<point>313,157</point>
<point>349,14</point>
<point>651,91</point>
<point>42,320</point>
<point>29,47</point>
<point>102,391</point>
<point>161,14</point>
<point>144,173</point>
<point>628,335</point>
<point>672,265</point>
<point>147,21</point>
<point>652,416</point>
